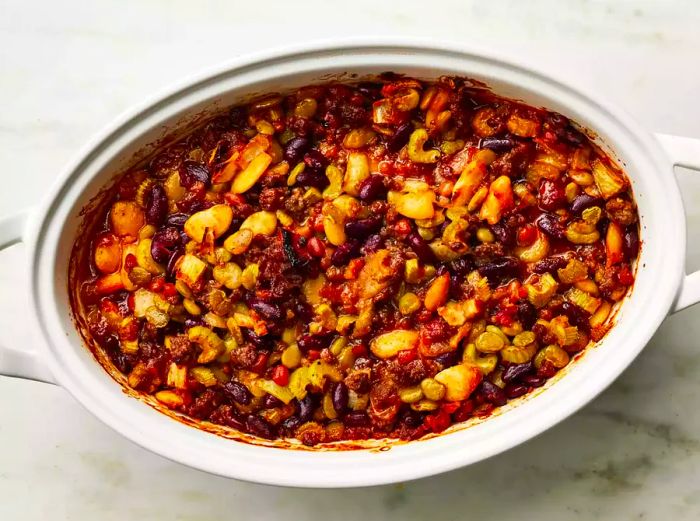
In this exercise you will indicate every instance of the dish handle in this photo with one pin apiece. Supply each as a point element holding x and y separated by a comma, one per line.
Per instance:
<point>15,362</point>
<point>685,152</point>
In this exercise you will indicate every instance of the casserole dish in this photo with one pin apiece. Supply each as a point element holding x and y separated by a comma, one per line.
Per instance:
<point>50,231</point>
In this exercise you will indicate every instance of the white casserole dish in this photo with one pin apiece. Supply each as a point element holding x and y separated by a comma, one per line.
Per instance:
<point>49,232</point>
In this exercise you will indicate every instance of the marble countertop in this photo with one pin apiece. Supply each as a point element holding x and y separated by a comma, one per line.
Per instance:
<point>68,68</point>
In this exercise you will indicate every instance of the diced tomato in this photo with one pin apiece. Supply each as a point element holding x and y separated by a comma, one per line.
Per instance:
<point>280,375</point>
<point>407,356</point>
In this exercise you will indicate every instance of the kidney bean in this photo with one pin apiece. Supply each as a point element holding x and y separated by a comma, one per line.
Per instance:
<point>397,141</point>
<point>295,148</point>
<point>306,408</point>
<point>516,372</point>
<point>372,244</point>
<point>498,145</point>
<point>270,402</point>
<point>312,178</point>
<point>462,266</point>
<point>550,264</point>
<point>346,251</point>
<point>192,172</point>
<point>356,419</point>
<point>500,268</point>
<point>504,234</point>
<point>372,188</point>
<point>164,243</point>
<point>238,392</point>
<point>533,380</point>
<point>289,426</point>
<point>492,393</point>
<point>515,390</point>
<point>584,201</point>
<point>315,162</point>
<point>269,311</point>
<point>172,262</point>
<point>412,419</point>
<point>261,342</point>
<point>259,427</point>
<point>551,225</point>
<point>551,195</point>
<point>192,322</point>
<point>630,245</point>
<point>339,396</point>
<point>317,342</point>
<point>527,314</point>
<point>177,220</point>
<point>447,359</point>
<point>156,205</point>
<point>363,228</point>
<point>421,248</point>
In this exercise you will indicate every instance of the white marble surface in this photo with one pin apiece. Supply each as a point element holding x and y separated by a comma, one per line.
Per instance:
<point>68,68</point>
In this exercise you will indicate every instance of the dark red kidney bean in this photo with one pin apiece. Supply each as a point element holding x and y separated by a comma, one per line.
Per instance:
<point>289,426</point>
<point>412,419</point>
<point>498,145</point>
<point>462,266</point>
<point>192,172</point>
<point>172,262</point>
<point>164,242</point>
<point>372,188</point>
<point>238,392</point>
<point>577,316</point>
<point>372,244</point>
<point>492,393</point>
<point>261,342</point>
<point>421,248</point>
<point>551,195</point>
<point>550,264</point>
<point>156,205</point>
<point>527,314</point>
<point>315,161</point>
<point>397,141</point>
<point>447,359</point>
<point>363,228</point>
<point>339,396</point>
<point>295,148</point>
<point>356,419</point>
<point>515,372</point>
<point>306,408</point>
<point>259,427</point>
<point>270,402</point>
<point>303,310</point>
<point>312,178</point>
<point>192,322</point>
<point>346,251</point>
<point>630,245</point>
<point>515,390</point>
<point>533,380</point>
<point>177,220</point>
<point>318,342</point>
<point>584,201</point>
<point>570,135</point>
<point>504,234</point>
<point>500,268</point>
<point>269,311</point>
<point>551,225</point>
